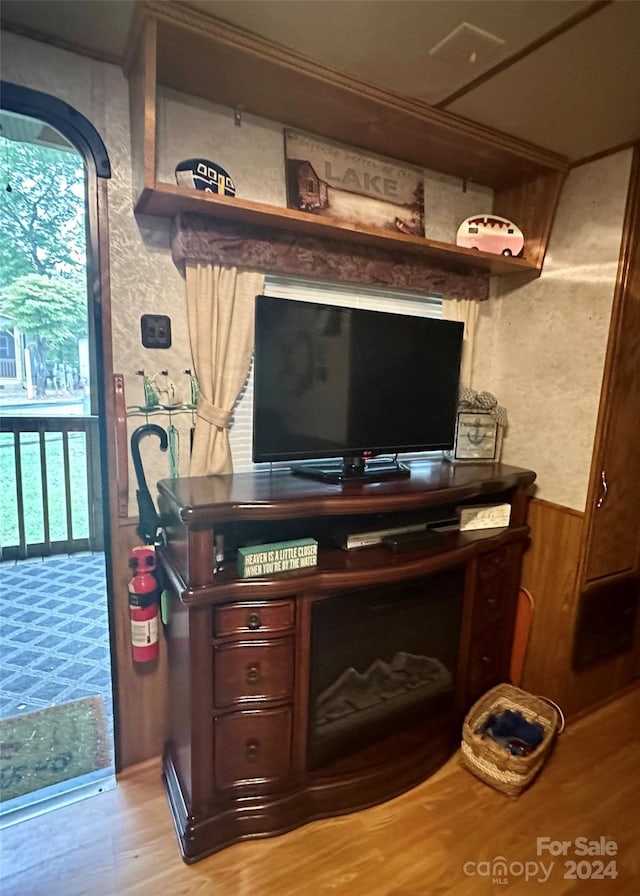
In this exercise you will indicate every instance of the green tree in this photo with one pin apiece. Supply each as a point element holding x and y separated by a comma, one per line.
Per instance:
<point>52,313</point>
<point>42,209</point>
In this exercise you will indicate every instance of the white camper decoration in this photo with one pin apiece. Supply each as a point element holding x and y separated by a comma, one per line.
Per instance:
<point>490,233</point>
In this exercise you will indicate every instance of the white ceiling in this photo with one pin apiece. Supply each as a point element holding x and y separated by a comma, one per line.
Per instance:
<point>564,74</point>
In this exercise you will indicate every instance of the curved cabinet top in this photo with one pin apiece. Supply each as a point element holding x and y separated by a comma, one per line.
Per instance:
<point>206,500</point>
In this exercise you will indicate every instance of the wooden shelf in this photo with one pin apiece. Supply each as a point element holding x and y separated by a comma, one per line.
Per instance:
<point>204,501</point>
<point>180,49</point>
<point>340,570</point>
<point>166,200</point>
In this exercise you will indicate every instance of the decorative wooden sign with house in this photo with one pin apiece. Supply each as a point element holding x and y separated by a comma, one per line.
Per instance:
<point>364,190</point>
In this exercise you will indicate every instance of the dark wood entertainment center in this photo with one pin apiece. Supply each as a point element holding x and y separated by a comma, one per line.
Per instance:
<point>238,762</point>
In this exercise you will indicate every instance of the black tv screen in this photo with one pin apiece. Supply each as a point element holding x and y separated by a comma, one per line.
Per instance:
<point>331,382</point>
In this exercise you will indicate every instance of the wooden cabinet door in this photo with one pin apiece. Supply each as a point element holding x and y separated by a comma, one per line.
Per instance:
<point>615,530</point>
<point>614,515</point>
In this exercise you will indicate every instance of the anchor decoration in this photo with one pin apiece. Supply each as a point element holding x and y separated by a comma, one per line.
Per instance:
<point>480,425</point>
<point>475,433</point>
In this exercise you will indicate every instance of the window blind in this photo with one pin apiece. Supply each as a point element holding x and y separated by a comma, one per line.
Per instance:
<point>371,298</point>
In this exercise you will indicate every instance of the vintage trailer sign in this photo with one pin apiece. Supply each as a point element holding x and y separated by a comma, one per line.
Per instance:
<point>201,174</point>
<point>490,233</point>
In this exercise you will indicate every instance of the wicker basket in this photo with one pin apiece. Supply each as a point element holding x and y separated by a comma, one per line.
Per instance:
<point>493,763</point>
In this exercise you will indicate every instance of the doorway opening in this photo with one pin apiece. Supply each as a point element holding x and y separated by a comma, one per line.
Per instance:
<point>56,699</point>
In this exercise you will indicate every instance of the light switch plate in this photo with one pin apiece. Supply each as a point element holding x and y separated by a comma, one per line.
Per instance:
<point>155,330</point>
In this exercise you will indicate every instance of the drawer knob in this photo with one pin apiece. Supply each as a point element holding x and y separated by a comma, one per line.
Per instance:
<point>253,674</point>
<point>253,621</point>
<point>486,660</point>
<point>252,750</point>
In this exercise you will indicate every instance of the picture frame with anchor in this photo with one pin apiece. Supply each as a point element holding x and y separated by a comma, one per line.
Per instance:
<point>477,437</point>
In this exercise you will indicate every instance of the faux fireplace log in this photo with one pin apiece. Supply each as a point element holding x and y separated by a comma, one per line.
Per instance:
<point>321,691</point>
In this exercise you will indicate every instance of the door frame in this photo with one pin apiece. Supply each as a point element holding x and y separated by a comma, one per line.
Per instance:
<point>88,142</point>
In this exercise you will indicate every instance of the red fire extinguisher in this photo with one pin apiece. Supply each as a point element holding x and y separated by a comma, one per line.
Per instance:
<point>144,596</point>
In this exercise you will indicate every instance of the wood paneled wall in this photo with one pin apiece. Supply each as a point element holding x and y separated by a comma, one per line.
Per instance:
<point>141,688</point>
<point>550,573</point>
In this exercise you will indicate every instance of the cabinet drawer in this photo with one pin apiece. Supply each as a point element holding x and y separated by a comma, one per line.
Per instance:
<point>489,607</point>
<point>487,663</point>
<point>251,670</point>
<point>253,616</point>
<point>492,590</point>
<point>492,567</point>
<point>252,745</point>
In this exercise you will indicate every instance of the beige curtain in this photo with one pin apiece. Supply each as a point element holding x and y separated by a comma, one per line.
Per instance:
<point>220,302</point>
<point>465,310</point>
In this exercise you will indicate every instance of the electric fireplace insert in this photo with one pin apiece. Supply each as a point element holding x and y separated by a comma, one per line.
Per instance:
<point>381,659</point>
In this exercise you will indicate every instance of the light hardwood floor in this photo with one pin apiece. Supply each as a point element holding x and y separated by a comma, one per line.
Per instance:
<point>427,842</point>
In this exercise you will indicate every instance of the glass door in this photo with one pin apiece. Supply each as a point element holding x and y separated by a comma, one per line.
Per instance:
<point>56,706</point>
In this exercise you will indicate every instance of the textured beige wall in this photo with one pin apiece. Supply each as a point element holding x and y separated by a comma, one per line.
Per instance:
<point>252,153</point>
<point>540,346</point>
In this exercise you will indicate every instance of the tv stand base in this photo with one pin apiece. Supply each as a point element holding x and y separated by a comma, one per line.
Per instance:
<point>407,761</point>
<point>351,470</point>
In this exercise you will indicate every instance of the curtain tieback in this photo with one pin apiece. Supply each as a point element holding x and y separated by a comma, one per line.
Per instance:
<point>213,415</point>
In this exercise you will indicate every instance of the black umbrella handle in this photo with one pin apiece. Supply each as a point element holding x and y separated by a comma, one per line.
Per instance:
<point>149,519</point>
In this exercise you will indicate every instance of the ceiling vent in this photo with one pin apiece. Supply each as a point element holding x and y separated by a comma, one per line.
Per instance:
<point>467,45</point>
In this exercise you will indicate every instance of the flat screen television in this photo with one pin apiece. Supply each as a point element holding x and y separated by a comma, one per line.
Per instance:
<point>336,382</point>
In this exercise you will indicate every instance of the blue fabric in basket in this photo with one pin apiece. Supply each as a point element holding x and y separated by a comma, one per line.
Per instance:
<point>511,730</point>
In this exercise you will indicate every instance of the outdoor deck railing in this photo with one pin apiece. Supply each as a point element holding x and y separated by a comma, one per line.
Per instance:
<point>8,368</point>
<point>50,485</point>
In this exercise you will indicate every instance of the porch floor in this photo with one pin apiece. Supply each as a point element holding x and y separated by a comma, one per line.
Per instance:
<point>54,633</point>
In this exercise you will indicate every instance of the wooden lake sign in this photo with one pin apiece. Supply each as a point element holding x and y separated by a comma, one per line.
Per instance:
<point>364,190</point>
